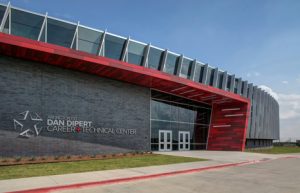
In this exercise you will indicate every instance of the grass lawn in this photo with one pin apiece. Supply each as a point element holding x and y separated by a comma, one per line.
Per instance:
<point>277,150</point>
<point>44,169</point>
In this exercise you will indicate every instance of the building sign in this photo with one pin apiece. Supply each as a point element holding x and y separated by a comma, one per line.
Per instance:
<point>31,124</point>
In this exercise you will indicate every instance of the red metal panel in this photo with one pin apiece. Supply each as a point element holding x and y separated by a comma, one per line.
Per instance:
<point>228,127</point>
<point>232,138</point>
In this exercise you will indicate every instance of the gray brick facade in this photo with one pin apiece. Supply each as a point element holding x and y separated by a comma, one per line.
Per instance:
<point>52,91</point>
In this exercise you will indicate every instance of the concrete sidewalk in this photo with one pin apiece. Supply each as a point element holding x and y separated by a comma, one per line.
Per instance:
<point>216,158</point>
<point>225,156</point>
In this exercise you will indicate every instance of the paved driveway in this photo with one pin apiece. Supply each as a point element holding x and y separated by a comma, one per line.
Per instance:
<point>223,156</point>
<point>276,176</point>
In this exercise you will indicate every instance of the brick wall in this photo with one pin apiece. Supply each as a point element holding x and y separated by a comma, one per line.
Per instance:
<point>48,90</point>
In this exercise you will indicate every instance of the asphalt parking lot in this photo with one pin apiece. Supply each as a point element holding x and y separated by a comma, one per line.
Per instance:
<point>278,175</point>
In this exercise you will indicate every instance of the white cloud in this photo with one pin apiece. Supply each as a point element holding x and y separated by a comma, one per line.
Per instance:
<point>253,74</point>
<point>284,82</point>
<point>289,109</point>
<point>289,106</point>
<point>298,79</point>
<point>256,74</point>
<point>269,90</point>
<point>289,103</point>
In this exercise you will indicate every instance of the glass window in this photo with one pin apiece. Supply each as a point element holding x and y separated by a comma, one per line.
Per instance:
<point>170,113</point>
<point>212,76</point>
<point>60,33</point>
<point>135,53</point>
<point>160,110</point>
<point>236,82</point>
<point>154,58</point>
<point>113,47</point>
<point>197,72</point>
<point>220,79</point>
<point>202,71</point>
<point>228,82</point>
<point>171,63</point>
<point>43,35</point>
<point>6,26</point>
<point>208,76</point>
<point>243,86</point>
<point>2,11</point>
<point>186,68</point>
<point>26,24</point>
<point>89,40</point>
<point>157,125</point>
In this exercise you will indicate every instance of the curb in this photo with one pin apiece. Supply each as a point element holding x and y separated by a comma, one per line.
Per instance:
<point>129,179</point>
<point>151,176</point>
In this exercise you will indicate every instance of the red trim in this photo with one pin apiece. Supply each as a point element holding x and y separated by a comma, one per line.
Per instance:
<point>76,60</point>
<point>129,179</point>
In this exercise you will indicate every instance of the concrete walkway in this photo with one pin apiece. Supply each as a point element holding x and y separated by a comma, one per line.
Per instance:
<point>225,156</point>
<point>216,158</point>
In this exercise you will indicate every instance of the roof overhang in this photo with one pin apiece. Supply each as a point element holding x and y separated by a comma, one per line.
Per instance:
<point>68,58</point>
<point>230,115</point>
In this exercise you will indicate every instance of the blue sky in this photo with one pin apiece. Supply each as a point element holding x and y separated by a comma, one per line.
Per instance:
<point>258,40</point>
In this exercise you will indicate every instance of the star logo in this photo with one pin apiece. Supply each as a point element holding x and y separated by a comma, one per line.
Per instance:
<point>27,124</point>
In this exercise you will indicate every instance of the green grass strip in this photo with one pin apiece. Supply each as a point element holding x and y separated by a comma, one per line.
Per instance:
<point>277,150</point>
<point>44,169</point>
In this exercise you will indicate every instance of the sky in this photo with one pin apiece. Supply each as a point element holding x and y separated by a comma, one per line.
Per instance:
<point>258,40</point>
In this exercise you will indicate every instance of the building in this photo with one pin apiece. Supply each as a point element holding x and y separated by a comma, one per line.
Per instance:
<point>70,89</point>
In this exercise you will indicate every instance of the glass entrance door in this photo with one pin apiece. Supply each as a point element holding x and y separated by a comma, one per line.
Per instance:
<point>165,140</point>
<point>184,140</point>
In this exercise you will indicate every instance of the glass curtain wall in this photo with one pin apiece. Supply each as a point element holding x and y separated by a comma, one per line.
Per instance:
<point>2,11</point>
<point>186,68</point>
<point>155,58</point>
<point>169,112</point>
<point>60,33</point>
<point>197,72</point>
<point>89,40</point>
<point>25,24</point>
<point>113,47</point>
<point>135,53</point>
<point>220,79</point>
<point>171,63</point>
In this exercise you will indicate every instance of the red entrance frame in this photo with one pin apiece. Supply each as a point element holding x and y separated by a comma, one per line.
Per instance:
<point>230,115</point>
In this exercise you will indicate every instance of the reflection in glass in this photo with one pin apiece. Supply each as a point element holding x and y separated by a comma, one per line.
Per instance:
<point>220,79</point>
<point>236,82</point>
<point>6,27</point>
<point>135,53</point>
<point>25,24</point>
<point>113,47</point>
<point>2,11</point>
<point>186,68</point>
<point>171,63</point>
<point>154,147</point>
<point>197,72</point>
<point>228,82</point>
<point>208,78</point>
<point>174,113</point>
<point>89,40</point>
<point>154,58</point>
<point>60,33</point>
